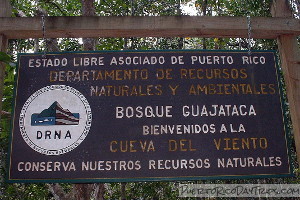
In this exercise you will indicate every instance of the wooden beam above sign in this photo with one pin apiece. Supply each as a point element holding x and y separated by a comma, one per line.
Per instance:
<point>159,26</point>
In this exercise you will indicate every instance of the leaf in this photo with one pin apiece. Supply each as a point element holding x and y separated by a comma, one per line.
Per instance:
<point>4,57</point>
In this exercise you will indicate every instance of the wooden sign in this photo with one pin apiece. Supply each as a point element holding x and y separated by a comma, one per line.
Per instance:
<point>143,116</point>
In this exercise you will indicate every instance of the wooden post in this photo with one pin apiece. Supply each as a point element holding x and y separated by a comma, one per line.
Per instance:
<point>5,11</point>
<point>5,8</point>
<point>290,60</point>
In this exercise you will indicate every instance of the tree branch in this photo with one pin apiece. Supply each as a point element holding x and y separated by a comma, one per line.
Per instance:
<point>99,191</point>
<point>5,113</point>
<point>56,6</point>
<point>57,191</point>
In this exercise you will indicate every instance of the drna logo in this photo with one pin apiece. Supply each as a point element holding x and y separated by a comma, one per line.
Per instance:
<point>49,127</point>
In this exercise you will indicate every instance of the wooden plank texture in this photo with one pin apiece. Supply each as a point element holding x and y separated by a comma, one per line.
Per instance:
<point>5,8</point>
<point>290,60</point>
<point>148,26</point>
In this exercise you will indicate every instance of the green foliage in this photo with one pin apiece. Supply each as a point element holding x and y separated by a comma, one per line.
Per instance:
<point>7,93</point>
<point>144,190</point>
<point>149,190</point>
<point>26,192</point>
<point>6,118</point>
<point>69,44</point>
<point>248,7</point>
<point>137,7</point>
<point>4,57</point>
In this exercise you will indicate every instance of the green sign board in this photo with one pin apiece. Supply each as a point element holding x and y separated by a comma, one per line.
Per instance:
<point>147,115</point>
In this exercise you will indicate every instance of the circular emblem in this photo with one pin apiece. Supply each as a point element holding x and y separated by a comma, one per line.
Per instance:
<point>55,119</point>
